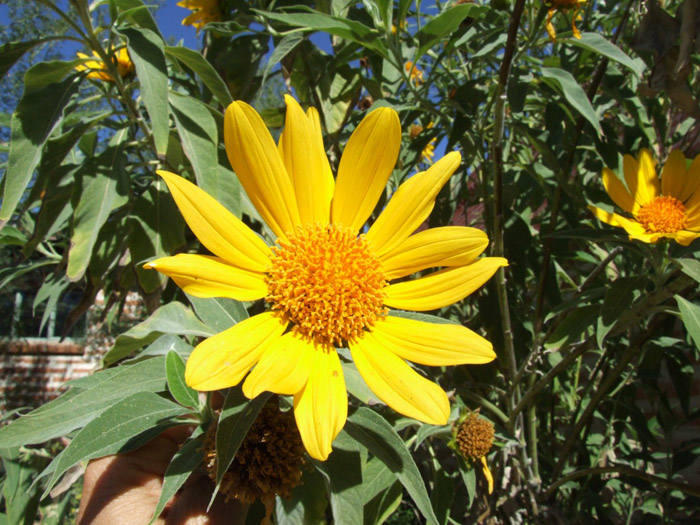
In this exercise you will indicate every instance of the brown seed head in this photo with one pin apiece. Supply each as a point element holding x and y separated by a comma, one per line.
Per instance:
<point>475,436</point>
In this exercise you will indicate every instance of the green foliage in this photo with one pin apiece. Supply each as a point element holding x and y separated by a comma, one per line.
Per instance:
<point>594,392</point>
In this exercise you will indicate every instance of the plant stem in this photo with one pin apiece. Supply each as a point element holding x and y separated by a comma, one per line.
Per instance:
<point>625,471</point>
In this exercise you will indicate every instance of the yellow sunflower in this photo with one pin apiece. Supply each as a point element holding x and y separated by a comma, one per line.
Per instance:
<point>326,283</point>
<point>98,69</point>
<point>563,5</point>
<point>669,207</point>
<point>415,74</point>
<point>203,12</point>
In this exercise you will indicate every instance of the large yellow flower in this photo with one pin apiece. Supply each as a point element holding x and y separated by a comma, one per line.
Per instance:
<point>666,208</point>
<point>98,69</point>
<point>203,12</point>
<point>326,283</point>
<point>563,5</point>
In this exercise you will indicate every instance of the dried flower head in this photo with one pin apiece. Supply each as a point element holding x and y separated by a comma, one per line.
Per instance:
<point>268,462</point>
<point>475,437</point>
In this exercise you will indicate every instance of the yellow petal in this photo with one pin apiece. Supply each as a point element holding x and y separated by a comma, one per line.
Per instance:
<point>221,361</point>
<point>321,408</point>
<point>442,288</point>
<point>613,219</point>
<point>283,368</point>
<point>445,246</point>
<point>397,384</point>
<point>487,474</point>
<point>301,148</point>
<point>673,176</point>
<point>432,344</point>
<point>410,205</point>
<point>617,191</point>
<point>690,194</point>
<point>365,166</point>
<point>641,178</point>
<point>255,159</point>
<point>218,229</point>
<point>207,276</point>
<point>685,237</point>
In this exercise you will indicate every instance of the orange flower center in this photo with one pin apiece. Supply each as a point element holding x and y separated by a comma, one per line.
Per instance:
<point>662,215</point>
<point>327,282</point>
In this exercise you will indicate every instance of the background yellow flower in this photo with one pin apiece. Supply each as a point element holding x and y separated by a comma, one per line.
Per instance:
<point>669,207</point>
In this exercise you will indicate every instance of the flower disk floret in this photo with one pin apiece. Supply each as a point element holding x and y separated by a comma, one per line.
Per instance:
<point>326,284</point>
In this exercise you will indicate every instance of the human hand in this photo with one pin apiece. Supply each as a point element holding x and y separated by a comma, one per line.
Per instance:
<point>125,488</point>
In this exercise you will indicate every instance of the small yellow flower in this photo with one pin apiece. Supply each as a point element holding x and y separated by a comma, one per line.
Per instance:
<point>563,5</point>
<point>415,74</point>
<point>203,12</point>
<point>98,69</point>
<point>428,152</point>
<point>326,284</point>
<point>666,208</point>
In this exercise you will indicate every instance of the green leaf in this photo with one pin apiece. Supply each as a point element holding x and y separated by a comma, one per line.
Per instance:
<point>418,316</point>
<point>184,462</point>
<point>7,275</point>
<point>11,52</point>
<point>206,72</point>
<point>342,27</point>
<point>566,84</point>
<point>445,24</point>
<point>690,267</point>
<point>45,73</point>
<point>116,430</point>
<point>135,11</point>
<point>21,499</point>
<point>282,49</point>
<point>172,318</point>
<point>443,494</point>
<point>103,190</point>
<point>237,415</point>
<point>574,327</point>
<point>598,44</point>
<point>308,503</point>
<point>199,137</point>
<point>468,474</point>
<point>218,313</point>
<point>372,430</point>
<point>383,505</point>
<point>165,344</point>
<point>690,314</point>
<point>158,231</point>
<point>175,374</point>
<point>146,51</point>
<point>37,115</point>
<point>11,236</point>
<point>343,475</point>
<point>618,298</point>
<point>87,398</point>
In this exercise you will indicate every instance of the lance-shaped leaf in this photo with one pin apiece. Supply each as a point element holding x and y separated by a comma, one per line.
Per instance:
<point>565,83</point>
<point>37,115</point>
<point>104,189</point>
<point>86,399</point>
<point>123,427</point>
<point>146,51</point>
<point>206,72</point>
<point>375,433</point>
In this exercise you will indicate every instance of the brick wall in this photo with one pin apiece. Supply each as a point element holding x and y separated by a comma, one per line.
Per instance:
<point>34,370</point>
